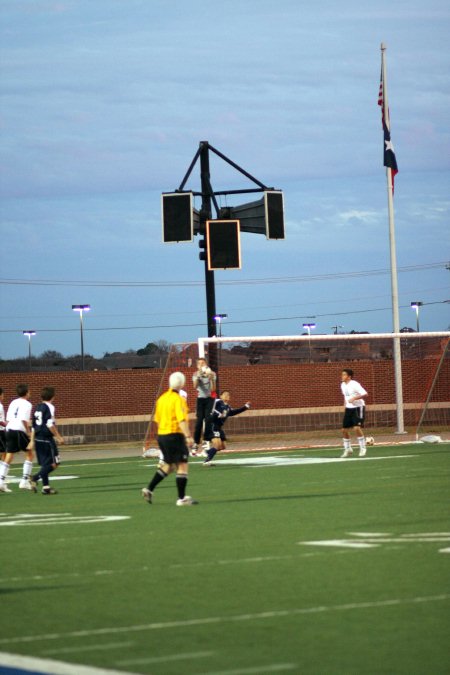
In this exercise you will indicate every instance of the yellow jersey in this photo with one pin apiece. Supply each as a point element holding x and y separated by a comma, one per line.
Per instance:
<point>171,409</point>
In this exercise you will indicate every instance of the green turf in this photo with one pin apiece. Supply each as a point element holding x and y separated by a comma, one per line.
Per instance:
<point>228,586</point>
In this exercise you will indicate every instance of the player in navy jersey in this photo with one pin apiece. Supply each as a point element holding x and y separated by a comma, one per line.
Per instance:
<point>215,434</point>
<point>44,437</point>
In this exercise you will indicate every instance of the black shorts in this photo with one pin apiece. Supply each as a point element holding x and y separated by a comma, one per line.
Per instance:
<point>173,448</point>
<point>46,451</point>
<point>213,432</point>
<point>353,417</point>
<point>2,440</point>
<point>16,441</point>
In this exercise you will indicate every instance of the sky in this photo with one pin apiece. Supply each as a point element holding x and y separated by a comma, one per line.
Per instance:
<point>103,105</point>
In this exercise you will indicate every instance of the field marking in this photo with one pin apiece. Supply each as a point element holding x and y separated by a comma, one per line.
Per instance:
<point>25,519</point>
<point>89,648</point>
<point>165,659</point>
<point>272,460</point>
<point>50,667</point>
<point>255,670</point>
<point>184,623</point>
<point>375,539</point>
<point>11,480</point>
<point>146,568</point>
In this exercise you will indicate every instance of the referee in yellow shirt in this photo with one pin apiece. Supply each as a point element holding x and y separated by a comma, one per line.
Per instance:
<point>173,436</point>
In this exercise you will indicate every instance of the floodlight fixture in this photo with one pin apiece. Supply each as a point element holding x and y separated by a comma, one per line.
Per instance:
<point>81,309</point>
<point>416,306</point>
<point>29,334</point>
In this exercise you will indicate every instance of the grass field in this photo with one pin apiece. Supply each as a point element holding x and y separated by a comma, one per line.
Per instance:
<point>291,563</point>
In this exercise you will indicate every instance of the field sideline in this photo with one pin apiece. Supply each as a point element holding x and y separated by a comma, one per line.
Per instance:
<point>293,562</point>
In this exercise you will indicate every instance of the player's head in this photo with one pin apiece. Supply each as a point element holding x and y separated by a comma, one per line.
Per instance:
<point>176,381</point>
<point>22,390</point>
<point>201,363</point>
<point>225,395</point>
<point>48,393</point>
<point>347,375</point>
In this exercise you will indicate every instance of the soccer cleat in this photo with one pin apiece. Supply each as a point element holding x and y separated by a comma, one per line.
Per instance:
<point>33,487</point>
<point>25,484</point>
<point>362,452</point>
<point>49,491</point>
<point>347,453</point>
<point>4,487</point>
<point>208,462</point>
<point>147,494</point>
<point>186,501</point>
<point>194,450</point>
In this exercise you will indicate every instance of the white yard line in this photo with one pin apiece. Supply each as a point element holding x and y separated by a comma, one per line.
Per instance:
<point>89,648</point>
<point>257,616</point>
<point>256,670</point>
<point>165,659</point>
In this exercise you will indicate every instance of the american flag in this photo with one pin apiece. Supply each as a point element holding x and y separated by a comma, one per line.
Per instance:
<point>389,154</point>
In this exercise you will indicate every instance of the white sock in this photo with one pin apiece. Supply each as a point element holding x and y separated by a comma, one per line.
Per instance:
<point>347,443</point>
<point>27,468</point>
<point>4,468</point>
<point>362,442</point>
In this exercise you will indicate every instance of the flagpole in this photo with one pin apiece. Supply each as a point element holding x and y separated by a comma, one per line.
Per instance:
<point>393,252</point>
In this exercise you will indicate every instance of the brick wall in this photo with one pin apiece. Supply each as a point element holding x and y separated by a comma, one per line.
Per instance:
<point>115,405</point>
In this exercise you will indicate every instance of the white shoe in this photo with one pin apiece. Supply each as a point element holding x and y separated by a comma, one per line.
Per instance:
<point>209,463</point>
<point>186,501</point>
<point>362,452</point>
<point>347,453</point>
<point>145,492</point>
<point>25,484</point>
<point>4,487</point>
<point>194,450</point>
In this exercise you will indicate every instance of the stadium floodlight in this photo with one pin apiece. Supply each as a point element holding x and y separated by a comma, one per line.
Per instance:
<point>81,309</point>
<point>416,305</point>
<point>218,318</point>
<point>309,327</point>
<point>29,334</point>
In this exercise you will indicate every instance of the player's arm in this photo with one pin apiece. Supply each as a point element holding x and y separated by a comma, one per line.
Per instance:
<point>359,394</point>
<point>56,435</point>
<point>238,411</point>
<point>30,445</point>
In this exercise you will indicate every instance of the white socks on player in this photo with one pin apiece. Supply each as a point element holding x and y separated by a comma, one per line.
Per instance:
<point>27,468</point>
<point>4,468</point>
<point>347,443</point>
<point>362,442</point>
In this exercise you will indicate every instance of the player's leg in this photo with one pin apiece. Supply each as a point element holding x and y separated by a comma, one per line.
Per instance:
<point>347,424</point>
<point>217,440</point>
<point>200,416</point>
<point>182,475</point>
<point>27,468</point>
<point>12,446</point>
<point>360,433</point>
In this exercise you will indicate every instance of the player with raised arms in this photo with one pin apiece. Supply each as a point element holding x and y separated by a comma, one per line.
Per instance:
<point>221,411</point>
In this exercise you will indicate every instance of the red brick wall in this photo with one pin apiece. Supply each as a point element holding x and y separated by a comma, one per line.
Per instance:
<point>132,392</point>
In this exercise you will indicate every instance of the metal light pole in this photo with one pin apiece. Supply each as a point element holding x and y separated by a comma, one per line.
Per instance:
<point>80,309</point>
<point>29,334</point>
<point>308,327</point>
<point>416,306</point>
<point>218,318</point>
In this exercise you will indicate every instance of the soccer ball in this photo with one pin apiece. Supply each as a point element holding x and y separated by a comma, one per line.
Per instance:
<point>370,440</point>
<point>151,453</point>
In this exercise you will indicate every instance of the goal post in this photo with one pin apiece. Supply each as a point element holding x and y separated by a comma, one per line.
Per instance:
<point>293,381</point>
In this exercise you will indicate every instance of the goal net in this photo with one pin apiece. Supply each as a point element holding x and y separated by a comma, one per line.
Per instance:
<point>293,383</point>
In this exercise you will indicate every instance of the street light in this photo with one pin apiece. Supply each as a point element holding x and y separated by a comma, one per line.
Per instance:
<point>218,318</point>
<point>336,328</point>
<point>29,334</point>
<point>416,305</point>
<point>81,309</point>
<point>309,327</point>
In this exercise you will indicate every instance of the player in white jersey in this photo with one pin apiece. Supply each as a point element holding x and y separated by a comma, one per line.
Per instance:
<point>2,427</point>
<point>354,395</point>
<point>18,431</point>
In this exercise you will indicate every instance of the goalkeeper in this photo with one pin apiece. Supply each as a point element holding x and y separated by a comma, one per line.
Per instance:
<point>215,434</point>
